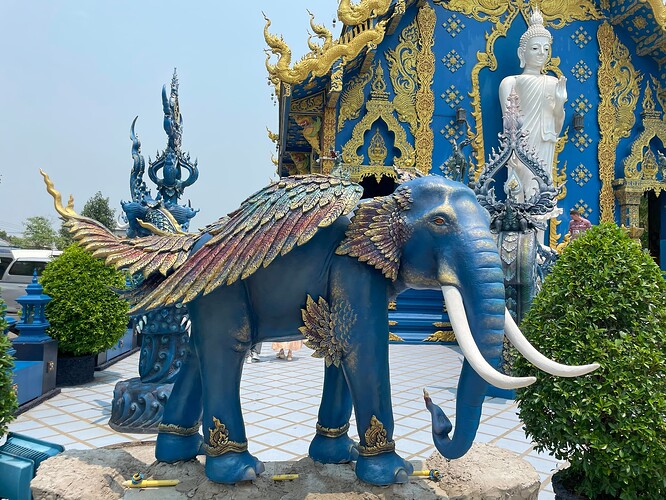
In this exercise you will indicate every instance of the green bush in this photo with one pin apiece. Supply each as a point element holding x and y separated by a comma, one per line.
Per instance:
<point>605,301</point>
<point>8,402</point>
<point>86,315</point>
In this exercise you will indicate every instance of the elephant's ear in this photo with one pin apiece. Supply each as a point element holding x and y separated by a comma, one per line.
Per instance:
<point>378,231</point>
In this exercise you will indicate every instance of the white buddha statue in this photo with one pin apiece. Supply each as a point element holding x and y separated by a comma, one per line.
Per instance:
<point>541,101</point>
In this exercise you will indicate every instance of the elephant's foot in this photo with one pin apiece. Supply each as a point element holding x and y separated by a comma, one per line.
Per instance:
<point>337,450</point>
<point>172,448</point>
<point>383,469</point>
<point>232,467</point>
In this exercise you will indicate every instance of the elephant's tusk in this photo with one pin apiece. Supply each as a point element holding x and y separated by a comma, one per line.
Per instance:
<point>523,345</point>
<point>460,325</point>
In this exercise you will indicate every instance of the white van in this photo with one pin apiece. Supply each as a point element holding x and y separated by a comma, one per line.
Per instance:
<point>16,270</point>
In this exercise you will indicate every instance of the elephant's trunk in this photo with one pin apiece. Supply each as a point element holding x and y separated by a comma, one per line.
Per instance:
<point>477,318</point>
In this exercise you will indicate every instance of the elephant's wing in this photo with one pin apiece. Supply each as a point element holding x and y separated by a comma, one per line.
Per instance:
<point>149,255</point>
<point>269,223</point>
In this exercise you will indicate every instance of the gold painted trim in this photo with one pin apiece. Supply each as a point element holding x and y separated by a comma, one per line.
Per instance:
<point>330,432</point>
<point>618,89</point>
<point>376,441</point>
<point>441,336</point>
<point>219,443</point>
<point>178,430</point>
<point>353,98</point>
<point>403,73</point>
<point>424,141</point>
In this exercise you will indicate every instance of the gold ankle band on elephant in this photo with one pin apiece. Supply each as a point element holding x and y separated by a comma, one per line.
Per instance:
<point>178,430</point>
<point>376,441</point>
<point>219,443</point>
<point>332,433</point>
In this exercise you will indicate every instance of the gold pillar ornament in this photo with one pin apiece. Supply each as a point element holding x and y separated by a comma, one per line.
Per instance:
<point>618,90</point>
<point>424,141</point>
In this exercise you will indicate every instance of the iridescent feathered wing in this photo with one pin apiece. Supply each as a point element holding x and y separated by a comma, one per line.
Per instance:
<point>152,255</point>
<point>269,223</point>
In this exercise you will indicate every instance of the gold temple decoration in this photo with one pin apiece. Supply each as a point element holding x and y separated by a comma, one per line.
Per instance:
<point>424,140</point>
<point>219,443</point>
<point>178,430</point>
<point>273,136</point>
<point>618,83</point>
<point>630,189</point>
<point>309,104</point>
<point>328,139</point>
<point>321,32</point>
<point>441,336</point>
<point>311,126</point>
<point>402,70</point>
<point>353,98</point>
<point>353,14</point>
<point>377,151</point>
<point>376,441</point>
<point>332,432</point>
<point>320,62</point>
<point>377,107</point>
<point>301,163</point>
<point>395,338</point>
<point>557,12</point>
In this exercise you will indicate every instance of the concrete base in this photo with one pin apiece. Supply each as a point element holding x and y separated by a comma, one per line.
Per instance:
<point>485,472</point>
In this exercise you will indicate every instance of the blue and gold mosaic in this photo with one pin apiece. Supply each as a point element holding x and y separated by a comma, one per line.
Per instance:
<point>453,61</point>
<point>453,25</point>
<point>581,71</point>
<point>581,140</point>
<point>581,104</point>
<point>583,208</point>
<point>452,96</point>
<point>580,175</point>
<point>581,37</point>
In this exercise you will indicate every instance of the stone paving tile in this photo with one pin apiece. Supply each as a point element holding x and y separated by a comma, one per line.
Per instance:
<point>280,402</point>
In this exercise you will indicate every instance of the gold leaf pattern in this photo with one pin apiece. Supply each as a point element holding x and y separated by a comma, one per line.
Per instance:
<point>376,440</point>
<point>353,98</point>
<point>424,140</point>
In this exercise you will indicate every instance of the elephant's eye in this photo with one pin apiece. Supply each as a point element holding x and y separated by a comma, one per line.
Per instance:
<point>439,221</point>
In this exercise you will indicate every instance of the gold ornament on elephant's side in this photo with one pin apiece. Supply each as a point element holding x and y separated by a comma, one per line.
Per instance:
<point>219,442</point>
<point>327,328</point>
<point>376,441</point>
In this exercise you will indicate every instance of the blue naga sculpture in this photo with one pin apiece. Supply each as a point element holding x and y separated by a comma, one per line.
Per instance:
<point>289,264</point>
<point>144,213</point>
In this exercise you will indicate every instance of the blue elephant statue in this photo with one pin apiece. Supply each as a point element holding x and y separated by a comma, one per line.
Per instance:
<point>289,264</point>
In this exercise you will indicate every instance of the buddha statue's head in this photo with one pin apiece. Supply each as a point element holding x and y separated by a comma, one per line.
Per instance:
<point>534,48</point>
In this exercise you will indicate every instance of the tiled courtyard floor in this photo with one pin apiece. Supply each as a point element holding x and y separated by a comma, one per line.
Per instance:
<point>280,404</point>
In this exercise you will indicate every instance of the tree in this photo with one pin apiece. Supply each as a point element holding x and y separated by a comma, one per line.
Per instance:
<point>38,233</point>
<point>98,208</point>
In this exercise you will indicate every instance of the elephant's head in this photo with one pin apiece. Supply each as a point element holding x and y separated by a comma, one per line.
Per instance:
<point>431,233</point>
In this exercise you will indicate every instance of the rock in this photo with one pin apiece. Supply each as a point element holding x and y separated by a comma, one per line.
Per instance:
<point>485,472</point>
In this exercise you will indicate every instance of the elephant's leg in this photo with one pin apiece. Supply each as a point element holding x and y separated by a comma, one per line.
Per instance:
<point>331,444</point>
<point>222,322</point>
<point>359,301</point>
<point>178,437</point>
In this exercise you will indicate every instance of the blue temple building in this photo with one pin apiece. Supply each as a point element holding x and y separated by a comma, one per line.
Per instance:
<point>406,83</point>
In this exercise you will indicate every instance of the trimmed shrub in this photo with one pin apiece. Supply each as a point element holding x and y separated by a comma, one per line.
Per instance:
<point>8,401</point>
<point>85,313</point>
<point>605,301</point>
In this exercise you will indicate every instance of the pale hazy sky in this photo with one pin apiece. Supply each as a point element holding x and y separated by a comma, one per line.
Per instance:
<point>75,73</point>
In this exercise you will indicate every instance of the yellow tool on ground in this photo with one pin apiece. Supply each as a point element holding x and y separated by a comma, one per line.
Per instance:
<point>432,474</point>
<point>285,477</point>
<point>138,481</point>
